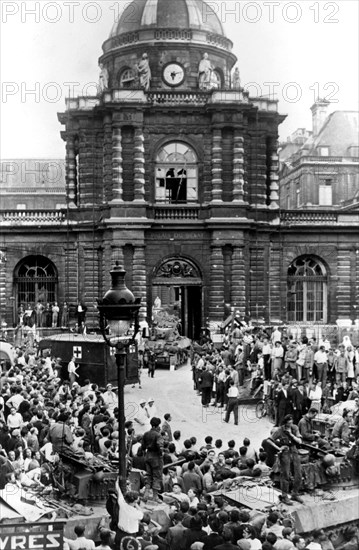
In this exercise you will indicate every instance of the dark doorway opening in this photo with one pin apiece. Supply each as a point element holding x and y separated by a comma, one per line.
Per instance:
<point>182,301</point>
<point>194,309</point>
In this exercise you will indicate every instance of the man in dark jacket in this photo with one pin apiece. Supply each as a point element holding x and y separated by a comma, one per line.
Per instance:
<point>60,434</point>
<point>152,446</point>
<point>307,432</point>
<point>283,403</point>
<point>174,536</point>
<point>194,534</point>
<point>166,428</point>
<point>206,384</point>
<point>227,544</point>
<point>287,438</point>
<point>214,538</point>
<point>299,399</point>
<point>191,479</point>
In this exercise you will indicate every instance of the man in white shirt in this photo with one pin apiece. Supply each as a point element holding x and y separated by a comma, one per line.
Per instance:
<point>110,399</point>
<point>129,516</point>
<point>232,405</point>
<point>141,422</point>
<point>71,369</point>
<point>321,362</point>
<point>276,335</point>
<point>151,408</point>
<point>15,400</point>
<point>81,542</point>
<point>14,420</point>
<point>315,395</point>
<point>21,359</point>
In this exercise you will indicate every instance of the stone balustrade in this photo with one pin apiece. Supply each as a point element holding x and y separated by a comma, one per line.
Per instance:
<point>175,212</point>
<point>170,97</point>
<point>177,98</point>
<point>325,160</point>
<point>308,217</point>
<point>33,190</point>
<point>32,216</point>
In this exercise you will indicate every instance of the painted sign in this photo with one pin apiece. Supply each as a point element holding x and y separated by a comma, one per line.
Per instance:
<point>31,536</point>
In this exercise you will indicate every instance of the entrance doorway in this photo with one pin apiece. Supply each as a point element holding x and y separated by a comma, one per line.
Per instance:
<point>177,296</point>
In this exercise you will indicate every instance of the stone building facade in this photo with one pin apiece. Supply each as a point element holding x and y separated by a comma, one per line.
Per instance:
<point>319,191</point>
<point>172,169</point>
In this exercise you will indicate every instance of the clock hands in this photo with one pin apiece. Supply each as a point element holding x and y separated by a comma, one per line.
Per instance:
<point>173,74</point>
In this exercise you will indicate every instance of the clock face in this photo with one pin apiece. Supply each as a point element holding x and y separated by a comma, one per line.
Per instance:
<point>173,74</point>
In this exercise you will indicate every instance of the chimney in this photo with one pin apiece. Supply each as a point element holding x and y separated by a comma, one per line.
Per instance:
<point>319,114</point>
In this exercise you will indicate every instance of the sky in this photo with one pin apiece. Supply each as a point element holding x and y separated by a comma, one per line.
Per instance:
<point>293,51</point>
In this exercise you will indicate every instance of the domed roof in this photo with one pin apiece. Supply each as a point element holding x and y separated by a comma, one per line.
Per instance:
<point>165,14</point>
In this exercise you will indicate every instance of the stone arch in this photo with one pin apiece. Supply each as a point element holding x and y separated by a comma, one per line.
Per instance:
<point>35,279</point>
<point>177,287</point>
<point>307,289</point>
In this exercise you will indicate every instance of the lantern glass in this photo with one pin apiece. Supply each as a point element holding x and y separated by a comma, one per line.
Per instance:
<point>119,331</point>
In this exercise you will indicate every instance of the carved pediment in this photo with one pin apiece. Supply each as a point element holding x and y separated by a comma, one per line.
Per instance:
<point>177,268</point>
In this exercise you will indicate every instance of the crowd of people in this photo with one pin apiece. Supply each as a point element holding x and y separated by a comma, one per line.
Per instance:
<point>186,474</point>
<point>292,375</point>
<point>41,413</point>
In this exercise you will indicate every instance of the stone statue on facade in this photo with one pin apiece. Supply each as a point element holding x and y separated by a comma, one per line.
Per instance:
<point>103,79</point>
<point>236,80</point>
<point>205,71</point>
<point>144,72</point>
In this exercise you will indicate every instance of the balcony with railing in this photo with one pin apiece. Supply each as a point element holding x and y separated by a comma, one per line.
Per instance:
<point>32,217</point>
<point>174,212</point>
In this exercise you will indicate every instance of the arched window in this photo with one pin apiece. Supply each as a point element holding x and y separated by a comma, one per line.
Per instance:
<point>176,174</point>
<point>307,290</point>
<point>127,78</point>
<point>35,280</point>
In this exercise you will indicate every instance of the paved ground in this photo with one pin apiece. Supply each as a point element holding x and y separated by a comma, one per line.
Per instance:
<point>173,392</point>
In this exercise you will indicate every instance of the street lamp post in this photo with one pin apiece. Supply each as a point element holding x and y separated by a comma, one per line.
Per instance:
<point>118,313</point>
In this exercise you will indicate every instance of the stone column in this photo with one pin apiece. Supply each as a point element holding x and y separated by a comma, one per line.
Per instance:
<point>107,159</point>
<point>238,281</point>
<point>216,292</point>
<point>273,176</point>
<point>71,172</point>
<point>217,182</point>
<point>238,167</point>
<point>139,165</point>
<point>5,303</point>
<point>258,167</point>
<point>139,283</point>
<point>117,170</point>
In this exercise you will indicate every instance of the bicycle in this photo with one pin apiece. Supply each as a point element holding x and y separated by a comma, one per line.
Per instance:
<point>265,407</point>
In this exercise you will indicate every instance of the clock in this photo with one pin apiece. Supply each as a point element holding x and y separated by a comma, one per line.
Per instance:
<point>173,74</point>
